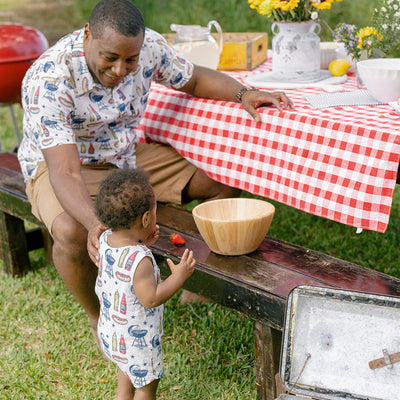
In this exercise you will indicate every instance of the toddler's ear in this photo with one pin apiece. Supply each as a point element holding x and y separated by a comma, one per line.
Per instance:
<point>146,219</point>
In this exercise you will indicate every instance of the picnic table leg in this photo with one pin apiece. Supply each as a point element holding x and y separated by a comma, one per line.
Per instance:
<point>13,245</point>
<point>267,352</point>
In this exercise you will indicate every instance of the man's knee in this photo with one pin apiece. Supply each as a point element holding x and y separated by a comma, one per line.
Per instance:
<point>202,187</point>
<point>68,232</point>
<point>228,192</point>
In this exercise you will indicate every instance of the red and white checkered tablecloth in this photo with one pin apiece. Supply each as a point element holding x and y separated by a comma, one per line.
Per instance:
<point>339,163</point>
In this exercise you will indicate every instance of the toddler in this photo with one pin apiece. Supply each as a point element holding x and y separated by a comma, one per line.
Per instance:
<point>128,285</point>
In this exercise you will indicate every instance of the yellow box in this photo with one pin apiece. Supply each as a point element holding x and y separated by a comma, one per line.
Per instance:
<point>241,51</point>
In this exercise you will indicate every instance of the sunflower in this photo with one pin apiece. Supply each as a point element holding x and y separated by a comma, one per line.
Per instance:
<point>323,4</point>
<point>265,8</point>
<point>254,3</point>
<point>291,10</point>
<point>365,32</point>
<point>285,5</point>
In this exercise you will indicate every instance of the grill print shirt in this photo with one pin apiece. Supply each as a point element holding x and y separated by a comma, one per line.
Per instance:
<point>63,104</point>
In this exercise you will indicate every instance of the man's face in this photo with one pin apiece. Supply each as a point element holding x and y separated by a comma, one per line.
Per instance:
<point>112,56</point>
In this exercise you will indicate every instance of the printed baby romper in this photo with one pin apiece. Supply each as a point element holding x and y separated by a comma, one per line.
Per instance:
<point>130,334</point>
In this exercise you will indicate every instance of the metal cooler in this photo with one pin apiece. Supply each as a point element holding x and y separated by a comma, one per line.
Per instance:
<point>340,344</point>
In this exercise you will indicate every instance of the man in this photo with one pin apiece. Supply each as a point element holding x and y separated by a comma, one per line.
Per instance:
<point>82,101</point>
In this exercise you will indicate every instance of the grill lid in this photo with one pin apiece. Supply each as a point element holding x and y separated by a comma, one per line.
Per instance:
<point>20,42</point>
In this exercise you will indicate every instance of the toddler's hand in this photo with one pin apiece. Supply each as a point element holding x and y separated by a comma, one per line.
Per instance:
<point>186,265</point>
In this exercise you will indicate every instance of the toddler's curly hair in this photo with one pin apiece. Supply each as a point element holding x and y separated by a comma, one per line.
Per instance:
<point>124,195</point>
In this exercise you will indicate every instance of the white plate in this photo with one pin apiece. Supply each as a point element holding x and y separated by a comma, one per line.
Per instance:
<point>268,80</point>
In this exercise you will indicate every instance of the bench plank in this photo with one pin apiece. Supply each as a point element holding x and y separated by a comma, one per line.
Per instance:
<point>330,270</point>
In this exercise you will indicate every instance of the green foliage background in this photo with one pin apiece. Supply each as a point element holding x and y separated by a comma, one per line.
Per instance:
<point>232,15</point>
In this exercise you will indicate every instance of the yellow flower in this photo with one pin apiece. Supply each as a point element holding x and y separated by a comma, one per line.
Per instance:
<point>290,10</point>
<point>323,4</point>
<point>265,8</point>
<point>285,5</point>
<point>365,32</point>
<point>254,3</point>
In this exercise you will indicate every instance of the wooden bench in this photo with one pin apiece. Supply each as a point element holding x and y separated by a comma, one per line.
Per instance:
<point>15,240</point>
<point>255,285</point>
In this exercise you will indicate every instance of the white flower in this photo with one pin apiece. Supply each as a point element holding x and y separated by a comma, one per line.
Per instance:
<point>314,15</point>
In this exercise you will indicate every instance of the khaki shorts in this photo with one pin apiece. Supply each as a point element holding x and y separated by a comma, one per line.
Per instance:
<point>169,174</point>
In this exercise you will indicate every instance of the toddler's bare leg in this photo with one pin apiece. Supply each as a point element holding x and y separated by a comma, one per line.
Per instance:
<point>125,389</point>
<point>147,392</point>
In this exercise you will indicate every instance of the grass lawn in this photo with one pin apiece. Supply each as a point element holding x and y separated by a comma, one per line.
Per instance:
<point>48,351</point>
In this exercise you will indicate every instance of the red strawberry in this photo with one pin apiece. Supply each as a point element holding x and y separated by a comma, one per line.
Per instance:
<point>176,238</point>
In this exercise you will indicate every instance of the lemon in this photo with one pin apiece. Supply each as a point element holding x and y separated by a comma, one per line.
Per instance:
<point>338,67</point>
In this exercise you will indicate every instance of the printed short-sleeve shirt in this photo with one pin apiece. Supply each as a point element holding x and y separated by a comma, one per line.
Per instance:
<point>64,105</point>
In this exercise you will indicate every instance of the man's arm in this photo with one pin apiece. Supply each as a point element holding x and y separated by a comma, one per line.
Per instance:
<point>65,176</point>
<point>216,85</point>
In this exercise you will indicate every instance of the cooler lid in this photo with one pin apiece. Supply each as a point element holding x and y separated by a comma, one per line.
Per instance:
<point>337,344</point>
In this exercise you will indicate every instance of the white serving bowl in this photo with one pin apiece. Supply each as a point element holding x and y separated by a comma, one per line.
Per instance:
<point>233,226</point>
<point>381,76</point>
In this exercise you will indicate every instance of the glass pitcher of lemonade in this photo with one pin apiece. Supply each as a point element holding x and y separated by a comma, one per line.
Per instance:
<point>196,43</point>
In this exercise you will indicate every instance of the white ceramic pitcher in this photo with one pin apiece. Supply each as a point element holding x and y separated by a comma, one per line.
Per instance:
<point>296,51</point>
<point>197,44</point>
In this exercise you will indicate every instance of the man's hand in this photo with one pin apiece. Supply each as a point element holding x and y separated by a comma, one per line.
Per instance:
<point>253,99</point>
<point>93,243</point>
<point>217,85</point>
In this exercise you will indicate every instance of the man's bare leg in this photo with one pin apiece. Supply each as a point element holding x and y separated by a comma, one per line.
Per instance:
<point>73,264</point>
<point>202,187</point>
